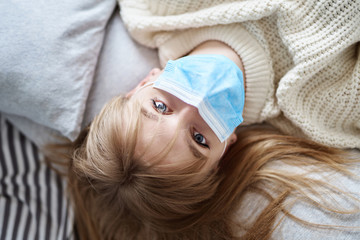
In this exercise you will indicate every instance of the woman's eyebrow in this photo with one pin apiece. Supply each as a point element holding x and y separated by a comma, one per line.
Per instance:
<point>196,153</point>
<point>149,114</point>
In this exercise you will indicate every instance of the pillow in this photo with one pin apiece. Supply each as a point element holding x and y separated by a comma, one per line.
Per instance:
<point>48,54</point>
<point>121,64</point>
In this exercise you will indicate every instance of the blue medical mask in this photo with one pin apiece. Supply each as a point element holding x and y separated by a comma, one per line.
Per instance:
<point>213,84</point>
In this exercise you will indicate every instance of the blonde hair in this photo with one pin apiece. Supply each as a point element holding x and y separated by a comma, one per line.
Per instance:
<point>117,196</point>
<point>120,197</point>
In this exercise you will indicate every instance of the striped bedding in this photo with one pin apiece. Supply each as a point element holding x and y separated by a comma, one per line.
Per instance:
<point>32,200</point>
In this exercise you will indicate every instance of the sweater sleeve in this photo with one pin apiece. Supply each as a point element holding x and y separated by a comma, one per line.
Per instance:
<point>153,22</point>
<point>321,93</point>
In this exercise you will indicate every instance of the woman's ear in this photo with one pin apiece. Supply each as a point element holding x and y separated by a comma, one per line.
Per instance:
<point>153,72</point>
<point>232,138</point>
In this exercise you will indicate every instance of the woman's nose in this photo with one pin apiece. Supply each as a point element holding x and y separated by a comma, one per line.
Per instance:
<point>187,111</point>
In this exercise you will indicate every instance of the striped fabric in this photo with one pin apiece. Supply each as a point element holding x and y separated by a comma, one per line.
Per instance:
<point>32,200</point>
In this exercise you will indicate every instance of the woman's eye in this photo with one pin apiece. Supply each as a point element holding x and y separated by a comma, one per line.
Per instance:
<point>200,139</point>
<point>160,106</point>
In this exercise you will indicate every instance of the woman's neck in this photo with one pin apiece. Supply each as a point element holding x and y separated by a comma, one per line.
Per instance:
<point>217,47</point>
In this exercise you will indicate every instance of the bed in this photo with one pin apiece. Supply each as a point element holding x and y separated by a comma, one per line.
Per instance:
<point>60,62</point>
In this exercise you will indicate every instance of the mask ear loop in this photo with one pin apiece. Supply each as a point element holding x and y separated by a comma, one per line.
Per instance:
<point>223,149</point>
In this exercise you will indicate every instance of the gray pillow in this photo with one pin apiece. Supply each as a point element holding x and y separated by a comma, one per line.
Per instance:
<point>121,64</point>
<point>48,55</point>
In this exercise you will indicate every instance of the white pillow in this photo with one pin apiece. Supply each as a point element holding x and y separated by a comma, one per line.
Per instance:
<point>48,54</point>
<point>122,64</point>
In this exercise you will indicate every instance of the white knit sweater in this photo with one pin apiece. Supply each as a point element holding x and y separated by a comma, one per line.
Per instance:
<point>301,58</point>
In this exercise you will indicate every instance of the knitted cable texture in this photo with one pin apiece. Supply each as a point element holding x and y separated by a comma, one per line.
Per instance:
<point>311,46</point>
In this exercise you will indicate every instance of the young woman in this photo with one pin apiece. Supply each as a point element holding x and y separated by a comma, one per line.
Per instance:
<point>164,162</point>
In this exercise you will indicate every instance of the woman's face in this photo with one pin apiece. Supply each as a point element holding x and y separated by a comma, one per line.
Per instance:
<point>165,118</point>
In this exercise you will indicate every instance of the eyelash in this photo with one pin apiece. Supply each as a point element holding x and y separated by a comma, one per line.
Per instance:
<point>154,101</point>
<point>193,133</point>
<point>167,111</point>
